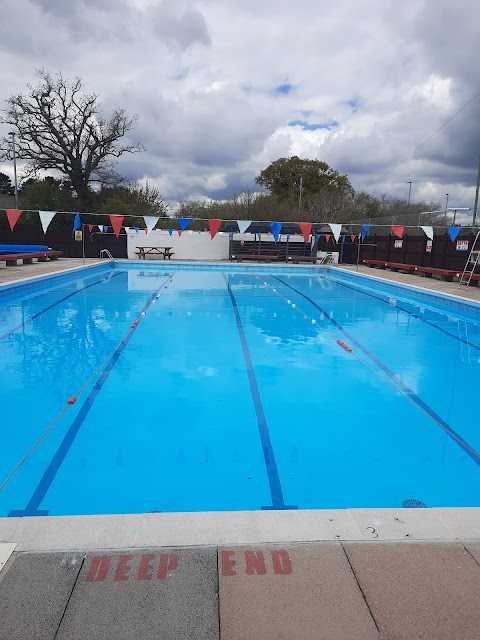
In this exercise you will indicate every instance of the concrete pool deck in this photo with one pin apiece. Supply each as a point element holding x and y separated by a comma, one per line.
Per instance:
<point>349,574</point>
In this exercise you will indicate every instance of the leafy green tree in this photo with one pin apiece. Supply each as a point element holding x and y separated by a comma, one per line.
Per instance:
<point>282,178</point>
<point>6,187</point>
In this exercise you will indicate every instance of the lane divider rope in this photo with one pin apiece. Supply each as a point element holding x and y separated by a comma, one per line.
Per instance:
<point>73,399</point>
<point>453,435</point>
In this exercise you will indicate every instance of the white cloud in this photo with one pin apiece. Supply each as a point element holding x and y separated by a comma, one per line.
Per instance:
<point>203,75</point>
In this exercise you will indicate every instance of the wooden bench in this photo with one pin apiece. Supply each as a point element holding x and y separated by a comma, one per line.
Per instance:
<point>445,274</point>
<point>297,259</point>
<point>12,258</point>
<point>259,257</point>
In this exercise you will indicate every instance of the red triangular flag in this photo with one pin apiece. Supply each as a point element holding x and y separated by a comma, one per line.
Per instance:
<point>327,237</point>
<point>214,226</point>
<point>146,230</point>
<point>90,227</point>
<point>353,238</point>
<point>13,215</point>
<point>179,231</point>
<point>398,230</point>
<point>116,222</point>
<point>306,229</point>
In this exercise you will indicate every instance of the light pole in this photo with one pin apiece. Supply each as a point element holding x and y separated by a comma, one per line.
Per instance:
<point>446,207</point>
<point>300,197</point>
<point>12,133</point>
<point>409,192</point>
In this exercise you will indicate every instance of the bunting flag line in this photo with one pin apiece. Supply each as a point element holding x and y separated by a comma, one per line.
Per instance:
<point>13,215</point>
<point>453,233</point>
<point>353,237</point>
<point>214,226</point>
<point>136,229</point>
<point>170,231</point>
<point>150,222</point>
<point>45,218</point>
<point>428,232</point>
<point>243,225</point>
<point>179,231</point>
<point>398,230</point>
<point>100,227</point>
<point>365,228</point>
<point>184,222</point>
<point>317,237</point>
<point>90,227</point>
<point>336,230</point>
<point>306,229</point>
<point>327,237</point>
<point>117,222</point>
<point>146,231</point>
<point>77,223</point>
<point>105,229</point>
<point>276,227</point>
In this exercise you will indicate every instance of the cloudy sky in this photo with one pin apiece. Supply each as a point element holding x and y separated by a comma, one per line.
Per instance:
<point>223,87</point>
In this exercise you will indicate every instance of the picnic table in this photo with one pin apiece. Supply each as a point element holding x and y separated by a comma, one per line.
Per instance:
<point>143,252</point>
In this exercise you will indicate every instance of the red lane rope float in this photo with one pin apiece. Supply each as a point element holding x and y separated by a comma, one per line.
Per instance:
<point>73,399</point>
<point>345,346</point>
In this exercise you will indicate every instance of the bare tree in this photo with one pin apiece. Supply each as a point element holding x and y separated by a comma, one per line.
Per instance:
<point>61,128</point>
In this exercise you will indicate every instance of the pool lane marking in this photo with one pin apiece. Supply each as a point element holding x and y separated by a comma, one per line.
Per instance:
<point>54,304</point>
<point>411,313</point>
<point>49,475</point>
<point>276,491</point>
<point>401,387</point>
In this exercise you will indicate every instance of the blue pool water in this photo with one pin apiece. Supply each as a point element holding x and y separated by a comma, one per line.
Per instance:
<point>226,396</point>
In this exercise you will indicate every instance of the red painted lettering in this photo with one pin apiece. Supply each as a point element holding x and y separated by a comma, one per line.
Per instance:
<point>282,564</point>
<point>145,567</point>
<point>167,563</point>
<point>123,569</point>
<point>255,563</point>
<point>98,569</point>
<point>227,563</point>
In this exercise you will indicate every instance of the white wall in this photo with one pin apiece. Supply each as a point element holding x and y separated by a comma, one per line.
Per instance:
<point>190,246</point>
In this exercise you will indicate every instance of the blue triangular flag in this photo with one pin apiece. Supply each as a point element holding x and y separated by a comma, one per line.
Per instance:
<point>453,233</point>
<point>105,229</point>
<point>184,222</point>
<point>317,237</point>
<point>77,223</point>
<point>288,236</point>
<point>343,239</point>
<point>170,231</point>
<point>365,228</point>
<point>276,227</point>
<point>136,229</point>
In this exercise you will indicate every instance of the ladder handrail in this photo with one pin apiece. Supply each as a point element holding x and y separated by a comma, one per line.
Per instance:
<point>107,252</point>
<point>475,251</point>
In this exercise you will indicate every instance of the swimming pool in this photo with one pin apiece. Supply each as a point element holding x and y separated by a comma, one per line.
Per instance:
<point>236,390</point>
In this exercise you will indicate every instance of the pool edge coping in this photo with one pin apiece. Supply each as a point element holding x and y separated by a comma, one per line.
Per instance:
<point>62,533</point>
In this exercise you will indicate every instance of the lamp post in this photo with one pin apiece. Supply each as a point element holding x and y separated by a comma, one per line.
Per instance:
<point>12,133</point>
<point>446,207</point>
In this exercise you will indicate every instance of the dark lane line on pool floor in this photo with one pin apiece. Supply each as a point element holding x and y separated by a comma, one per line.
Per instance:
<point>411,313</point>
<point>54,304</point>
<point>416,400</point>
<point>55,463</point>
<point>276,491</point>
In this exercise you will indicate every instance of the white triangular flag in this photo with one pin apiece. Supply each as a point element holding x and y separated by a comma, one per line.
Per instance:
<point>243,225</point>
<point>100,226</point>
<point>428,232</point>
<point>46,218</point>
<point>336,230</point>
<point>150,222</point>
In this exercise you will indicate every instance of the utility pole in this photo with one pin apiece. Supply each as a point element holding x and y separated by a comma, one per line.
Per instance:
<point>475,206</point>
<point>446,207</point>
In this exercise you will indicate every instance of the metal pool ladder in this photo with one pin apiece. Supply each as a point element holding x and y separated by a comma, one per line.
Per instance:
<point>472,261</point>
<point>106,253</point>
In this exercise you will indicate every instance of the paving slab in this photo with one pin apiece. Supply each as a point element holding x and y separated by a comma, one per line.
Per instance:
<point>464,523</point>
<point>417,590</point>
<point>166,594</point>
<point>75,532</point>
<point>7,528</point>
<point>473,549</point>
<point>305,592</point>
<point>34,592</point>
<point>400,524</point>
